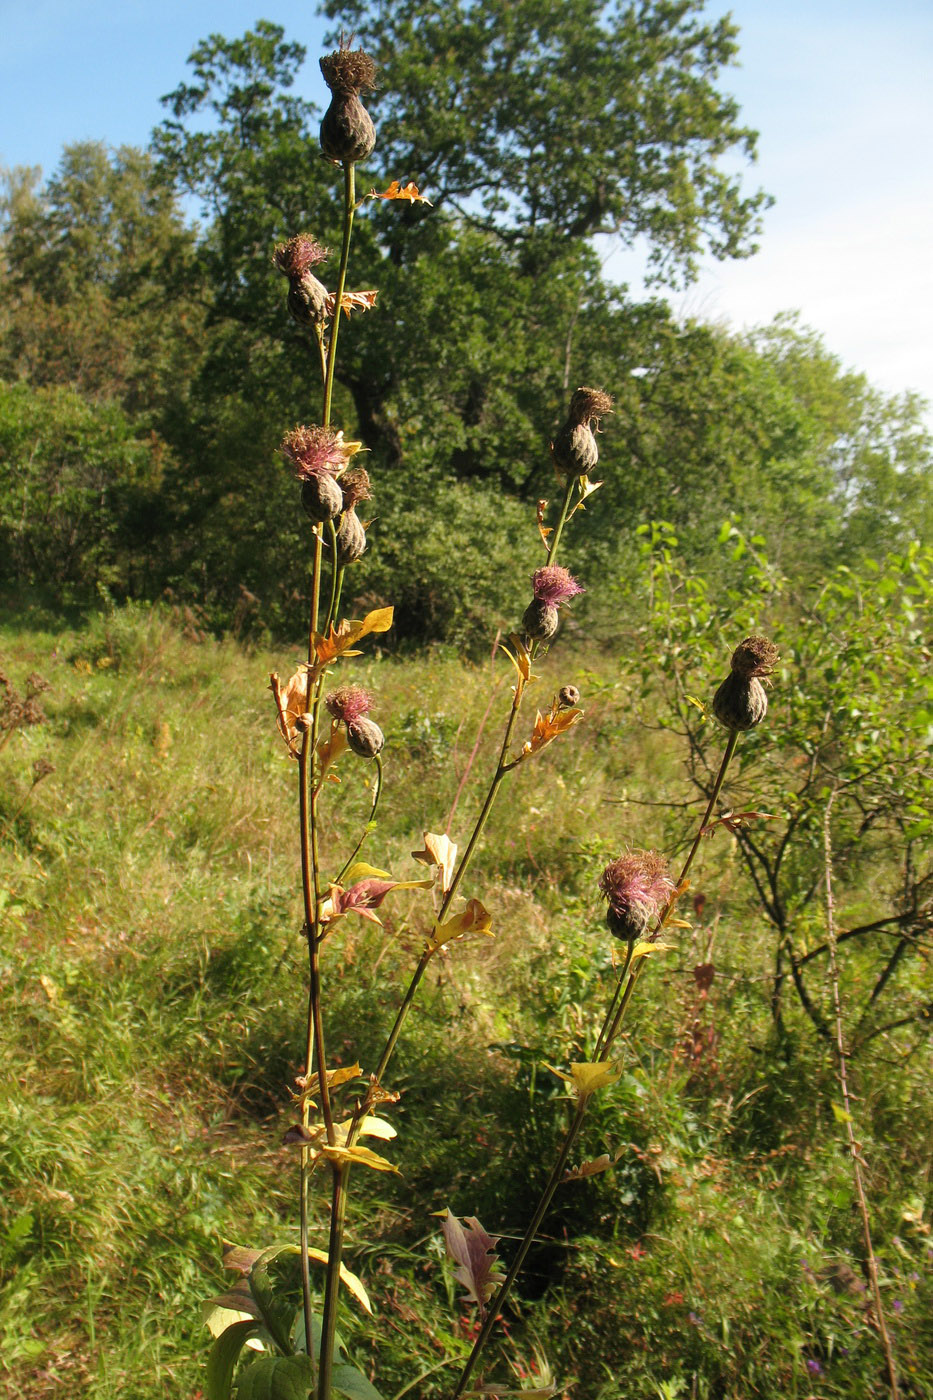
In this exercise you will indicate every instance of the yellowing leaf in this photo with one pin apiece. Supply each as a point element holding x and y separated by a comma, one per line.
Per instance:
<point>840,1114</point>
<point>354,1284</point>
<point>329,748</point>
<point>290,703</point>
<point>543,530</point>
<point>646,949</point>
<point>439,851</point>
<point>473,919</point>
<point>587,1078</point>
<point>346,634</point>
<point>548,727</point>
<point>585,1169</point>
<point>350,301</point>
<point>521,659</point>
<point>397,191</point>
<point>361,871</point>
<point>364,1155</point>
<point>335,1077</point>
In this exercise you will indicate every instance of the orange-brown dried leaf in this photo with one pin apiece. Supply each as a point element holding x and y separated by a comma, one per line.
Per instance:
<point>290,703</point>
<point>351,301</point>
<point>399,191</point>
<point>548,727</point>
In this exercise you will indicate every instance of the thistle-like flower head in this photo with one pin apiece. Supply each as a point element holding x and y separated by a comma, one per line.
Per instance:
<point>553,585</point>
<point>636,886</point>
<point>355,487</point>
<point>756,656</point>
<point>348,70</point>
<point>298,255</point>
<point>313,450</point>
<point>588,405</point>
<point>349,703</point>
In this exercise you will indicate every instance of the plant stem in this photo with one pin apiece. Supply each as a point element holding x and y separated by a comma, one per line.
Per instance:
<point>612,1021</point>
<point>842,1074</point>
<point>349,209</point>
<point>377,791</point>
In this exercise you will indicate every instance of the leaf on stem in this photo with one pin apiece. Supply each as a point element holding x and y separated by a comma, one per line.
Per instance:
<point>474,1253</point>
<point>341,638</point>
<point>547,728</point>
<point>587,1078</point>
<point>363,897</point>
<point>734,821</point>
<point>586,489</point>
<point>543,530</point>
<point>350,301</point>
<point>585,1169</point>
<point>473,919</point>
<point>439,851</point>
<point>521,660</point>
<point>290,703</point>
<point>329,747</point>
<point>335,1078</point>
<point>363,1155</point>
<point>398,191</point>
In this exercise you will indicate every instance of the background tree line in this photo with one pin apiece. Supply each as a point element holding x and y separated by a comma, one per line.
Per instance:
<point>147,367</point>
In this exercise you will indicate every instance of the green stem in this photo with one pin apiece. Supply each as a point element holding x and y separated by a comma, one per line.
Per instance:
<point>377,790</point>
<point>618,1005</point>
<point>349,209</point>
<point>562,519</point>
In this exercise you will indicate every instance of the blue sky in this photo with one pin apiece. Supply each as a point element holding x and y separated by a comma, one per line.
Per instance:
<point>841,94</point>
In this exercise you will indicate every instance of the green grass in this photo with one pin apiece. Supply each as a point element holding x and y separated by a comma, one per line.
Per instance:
<point>152,1000</point>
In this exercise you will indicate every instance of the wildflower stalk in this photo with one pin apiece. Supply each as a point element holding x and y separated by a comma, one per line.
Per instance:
<point>615,1013</point>
<point>340,1175</point>
<point>842,1075</point>
<point>310,863</point>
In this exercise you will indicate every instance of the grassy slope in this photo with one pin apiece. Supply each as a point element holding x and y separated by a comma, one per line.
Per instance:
<point>151,1010</point>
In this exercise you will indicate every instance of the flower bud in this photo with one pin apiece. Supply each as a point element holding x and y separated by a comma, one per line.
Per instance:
<point>540,620</point>
<point>740,702</point>
<point>568,696</point>
<point>307,300</point>
<point>321,497</point>
<point>351,538</point>
<point>365,737</point>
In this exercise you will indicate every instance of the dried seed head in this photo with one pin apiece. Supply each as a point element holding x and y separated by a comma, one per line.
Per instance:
<point>740,702</point>
<point>321,497</point>
<point>351,538</point>
<point>554,585</point>
<point>349,703</point>
<point>588,405</point>
<point>307,300</point>
<point>574,450</point>
<point>568,696</point>
<point>365,738</point>
<point>540,621</point>
<point>637,886</point>
<point>348,70</point>
<point>347,131</point>
<point>298,255</point>
<point>355,486</point>
<point>756,656</point>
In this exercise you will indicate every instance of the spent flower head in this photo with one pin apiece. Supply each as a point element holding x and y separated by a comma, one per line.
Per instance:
<point>349,703</point>
<point>298,255</point>
<point>587,405</point>
<point>636,886</point>
<point>348,70</point>
<point>756,656</point>
<point>554,584</point>
<point>355,487</point>
<point>313,450</point>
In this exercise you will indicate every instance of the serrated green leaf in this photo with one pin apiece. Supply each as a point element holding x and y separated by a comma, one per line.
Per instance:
<point>347,1380</point>
<point>222,1359</point>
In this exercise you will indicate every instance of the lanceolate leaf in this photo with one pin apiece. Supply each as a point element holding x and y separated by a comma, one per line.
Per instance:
<point>473,919</point>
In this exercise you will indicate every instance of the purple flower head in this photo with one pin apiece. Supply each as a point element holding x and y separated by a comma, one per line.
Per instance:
<point>814,1367</point>
<point>298,255</point>
<point>636,886</point>
<point>349,703</point>
<point>553,585</point>
<point>314,450</point>
<point>897,1305</point>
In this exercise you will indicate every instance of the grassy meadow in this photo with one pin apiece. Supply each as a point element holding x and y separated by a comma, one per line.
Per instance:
<point>152,1005</point>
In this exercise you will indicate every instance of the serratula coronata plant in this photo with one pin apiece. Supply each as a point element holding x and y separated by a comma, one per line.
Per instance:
<point>276,1328</point>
